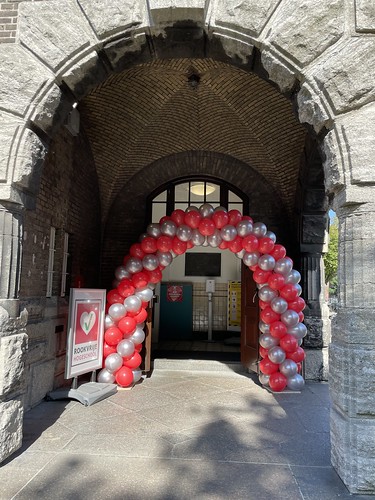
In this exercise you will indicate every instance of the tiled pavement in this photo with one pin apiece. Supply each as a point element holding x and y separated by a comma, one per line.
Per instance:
<point>179,435</point>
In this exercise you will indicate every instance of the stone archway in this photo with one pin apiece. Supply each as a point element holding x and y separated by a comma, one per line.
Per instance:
<point>303,51</point>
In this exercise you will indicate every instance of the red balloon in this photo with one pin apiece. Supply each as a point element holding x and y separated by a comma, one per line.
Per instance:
<point>154,276</point>
<point>289,292</point>
<point>266,245</point>
<point>276,281</point>
<point>124,376</point>
<point>267,367</point>
<point>113,335</point>
<point>141,316</point>
<point>277,381</point>
<point>127,325</point>
<point>109,349</point>
<point>192,219</point>
<point>179,247</point>
<point>262,304</point>
<point>253,268</point>
<point>301,317</point>
<point>125,259</point>
<point>235,245</point>
<point>247,217</point>
<point>299,367</point>
<point>190,244</point>
<point>178,216</point>
<point>136,251</point>
<point>149,244</point>
<point>260,276</point>
<point>278,252</point>
<point>263,351</point>
<point>289,343</point>
<point>206,226</point>
<point>220,218</point>
<point>125,288</point>
<point>134,361</point>
<point>250,243</point>
<point>235,217</point>
<point>164,218</point>
<point>298,355</point>
<point>297,305</point>
<point>140,279</point>
<point>138,347</point>
<point>133,314</point>
<point>113,297</point>
<point>164,243</point>
<point>223,245</point>
<point>278,329</point>
<point>269,316</point>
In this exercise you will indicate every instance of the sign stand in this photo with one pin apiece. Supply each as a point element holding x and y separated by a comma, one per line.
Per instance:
<point>85,347</point>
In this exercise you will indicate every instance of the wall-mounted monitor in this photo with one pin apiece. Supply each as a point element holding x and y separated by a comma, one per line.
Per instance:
<point>202,264</point>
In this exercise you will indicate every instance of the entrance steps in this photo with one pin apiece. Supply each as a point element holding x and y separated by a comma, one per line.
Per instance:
<point>199,365</point>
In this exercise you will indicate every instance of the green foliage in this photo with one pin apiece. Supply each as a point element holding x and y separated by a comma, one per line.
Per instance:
<point>331,257</point>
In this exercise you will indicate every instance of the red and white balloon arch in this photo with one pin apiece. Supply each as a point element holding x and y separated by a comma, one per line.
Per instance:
<point>281,319</point>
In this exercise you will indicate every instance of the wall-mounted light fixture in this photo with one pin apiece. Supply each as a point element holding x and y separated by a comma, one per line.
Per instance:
<point>199,188</point>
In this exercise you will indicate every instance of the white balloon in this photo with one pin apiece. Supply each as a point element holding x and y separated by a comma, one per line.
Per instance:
<point>164,258</point>
<point>137,375</point>
<point>197,238</point>
<point>138,336</point>
<point>113,362</point>
<point>105,377</point>
<point>121,273</point>
<point>228,232</point>
<point>288,367</point>
<point>259,229</point>
<point>192,208</point>
<point>108,322</point>
<point>220,209</point>
<point>168,228</point>
<point>150,262</point>
<point>293,277</point>
<point>251,258</point>
<point>153,229</point>
<point>266,262</point>
<point>133,265</point>
<point>264,379</point>
<point>206,210</point>
<point>184,232</point>
<point>276,354</point>
<point>117,311</point>
<point>289,317</point>
<point>244,227</point>
<point>279,305</point>
<point>132,303</point>
<point>295,382</point>
<point>145,294</point>
<point>266,293</point>
<point>271,236</point>
<point>241,253</point>
<point>283,266</point>
<point>125,348</point>
<point>215,239</point>
<point>264,327</point>
<point>298,331</point>
<point>267,341</point>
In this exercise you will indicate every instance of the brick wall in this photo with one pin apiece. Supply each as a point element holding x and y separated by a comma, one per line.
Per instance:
<point>8,21</point>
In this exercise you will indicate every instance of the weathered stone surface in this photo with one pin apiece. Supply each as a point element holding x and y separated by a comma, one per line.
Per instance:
<point>113,16</point>
<point>247,16</point>
<point>55,31</point>
<point>332,163</point>
<point>166,12</point>
<point>365,15</point>
<point>316,364</point>
<point>235,49</point>
<point>352,378</point>
<point>278,71</point>
<point>310,108</point>
<point>346,76</point>
<point>121,53</point>
<point>21,78</point>
<point>51,112</point>
<point>315,328</point>
<point>354,325</point>
<point>306,28</point>
<point>11,418</point>
<point>353,451</point>
<point>9,126</point>
<point>12,362</point>
<point>41,381</point>
<point>313,228</point>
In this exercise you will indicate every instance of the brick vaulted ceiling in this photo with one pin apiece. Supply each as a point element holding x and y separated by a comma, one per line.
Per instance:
<point>151,111</point>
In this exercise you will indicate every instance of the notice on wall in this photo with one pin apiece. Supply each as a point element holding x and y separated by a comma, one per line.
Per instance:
<point>174,293</point>
<point>234,306</point>
<point>85,331</point>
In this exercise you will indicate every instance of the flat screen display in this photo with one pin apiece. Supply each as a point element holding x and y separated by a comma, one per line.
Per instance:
<point>202,264</point>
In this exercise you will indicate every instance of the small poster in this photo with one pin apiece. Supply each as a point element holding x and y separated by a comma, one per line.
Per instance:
<point>85,331</point>
<point>174,293</point>
<point>234,305</point>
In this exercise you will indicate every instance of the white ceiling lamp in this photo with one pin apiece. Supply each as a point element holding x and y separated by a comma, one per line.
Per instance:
<point>198,189</point>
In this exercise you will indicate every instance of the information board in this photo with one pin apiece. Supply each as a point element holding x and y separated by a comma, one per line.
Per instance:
<point>234,305</point>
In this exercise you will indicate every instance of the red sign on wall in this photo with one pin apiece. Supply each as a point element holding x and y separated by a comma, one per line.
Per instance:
<point>174,293</point>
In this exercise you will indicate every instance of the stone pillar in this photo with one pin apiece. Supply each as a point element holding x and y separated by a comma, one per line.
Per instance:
<point>13,337</point>
<point>352,351</point>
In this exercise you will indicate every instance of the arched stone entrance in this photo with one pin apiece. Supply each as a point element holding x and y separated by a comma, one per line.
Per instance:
<point>304,52</point>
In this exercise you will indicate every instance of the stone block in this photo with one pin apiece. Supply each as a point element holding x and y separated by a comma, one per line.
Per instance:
<point>40,382</point>
<point>12,363</point>
<point>51,112</point>
<point>278,71</point>
<point>11,420</point>
<point>123,52</point>
<point>167,12</point>
<point>235,49</point>
<point>310,108</point>
<point>313,228</point>
<point>354,326</point>
<point>306,28</point>
<point>318,330</point>
<point>365,15</point>
<point>114,16</point>
<point>316,364</point>
<point>353,451</point>
<point>9,126</point>
<point>332,164</point>
<point>53,30</point>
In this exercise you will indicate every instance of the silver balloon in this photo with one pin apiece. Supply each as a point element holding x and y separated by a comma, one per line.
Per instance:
<point>215,239</point>
<point>192,208</point>
<point>228,232</point>
<point>259,229</point>
<point>261,285</point>
<point>164,258</point>
<point>138,336</point>
<point>105,377</point>
<point>289,317</point>
<point>220,209</point>
<point>134,265</point>
<point>244,227</point>
<point>251,258</point>
<point>113,361</point>
<point>125,348</point>
<point>279,305</point>
<point>300,342</point>
<point>241,254</point>
<point>266,262</point>
<point>153,230</point>
<point>183,233</point>
<point>142,237</point>
<point>264,327</point>
<point>150,262</point>
<point>197,238</point>
<point>145,294</point>
<point>206,210</point>
<point>121,273</point>
<point>168,227</point>
<point>174,255</point>
<point>295,382</point>
<point>299,288</point>
<point>293,277</point>
<point>133,303</point>
<point>276,354</point>
<point>267,294</point>
<point>288,368</point>
<point>264,379</point>
<point>117,311</point>
<point>298,331</point>
<point>108,322</point>
<point>267,341</point>
<point>283,266</point>
<point>205,243</point>
<point>271,236</point>
<point>137,375</point>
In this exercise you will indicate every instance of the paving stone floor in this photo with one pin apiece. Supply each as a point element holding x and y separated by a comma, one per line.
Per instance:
<point>180,434</point>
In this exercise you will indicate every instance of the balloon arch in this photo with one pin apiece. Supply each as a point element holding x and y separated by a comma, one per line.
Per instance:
<point>281,318</point>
